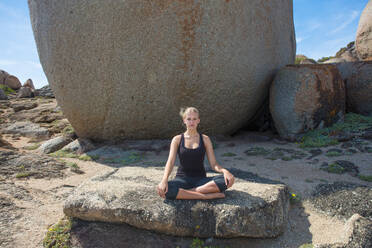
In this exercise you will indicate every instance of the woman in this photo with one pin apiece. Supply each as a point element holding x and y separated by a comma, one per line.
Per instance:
<point>191,181</point>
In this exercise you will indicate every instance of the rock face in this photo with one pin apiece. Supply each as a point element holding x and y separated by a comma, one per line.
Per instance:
<point>305,97</point>
<point>128,74</point>
<point>364,34</point>
<point>129,195</point>
<point>357,77</point>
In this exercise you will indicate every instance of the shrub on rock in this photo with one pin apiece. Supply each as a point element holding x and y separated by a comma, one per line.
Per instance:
<point>306,97</point>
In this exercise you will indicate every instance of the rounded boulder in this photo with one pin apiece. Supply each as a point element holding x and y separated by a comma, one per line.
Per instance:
<point>123,69</point>
<point>364,34</point>
<point>306,97</point>
<point>358,82</point>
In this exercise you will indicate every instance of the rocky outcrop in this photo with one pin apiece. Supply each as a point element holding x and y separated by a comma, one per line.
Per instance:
<point>25,92</point>
<point>364,34</point>
<point>54,144</point>
<point>302,59</point>
<point>345,54</point>
<point>305,97</point>
<point>13,82</point>
<point>29,84</point>
<point>128,195</point>
<point>27,129</point>
<point>357,77</point>
<point>157,55</point>
<point>45,91</point>
<point>79,146</point>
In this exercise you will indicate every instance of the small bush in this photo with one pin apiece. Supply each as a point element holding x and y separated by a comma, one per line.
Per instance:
<point>294,198</point>
<point>334,168</point>
<point>68,129</point>
<point>59,234</point>
<point>228,154</point>
<point>32,147</point>
<point>333,154</point>
<point>365,178</point>
<point>85,157</point>
<point>24,174</point>
<point>63,154</point>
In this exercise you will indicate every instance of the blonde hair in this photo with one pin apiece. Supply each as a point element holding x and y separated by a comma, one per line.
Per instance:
<point>185,111</point>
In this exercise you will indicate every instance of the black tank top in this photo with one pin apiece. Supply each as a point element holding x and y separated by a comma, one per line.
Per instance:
<point>192,160</point>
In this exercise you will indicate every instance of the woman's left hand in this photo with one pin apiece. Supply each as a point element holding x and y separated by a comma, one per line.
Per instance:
<point>229,178</point>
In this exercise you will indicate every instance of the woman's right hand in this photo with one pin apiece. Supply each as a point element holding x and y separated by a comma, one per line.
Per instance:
<point>163,188</point>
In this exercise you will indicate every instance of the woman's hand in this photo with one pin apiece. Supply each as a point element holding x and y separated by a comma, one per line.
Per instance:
<point>229,178</point>
<point>163,188</point>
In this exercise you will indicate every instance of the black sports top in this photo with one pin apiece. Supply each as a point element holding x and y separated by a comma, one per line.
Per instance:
<point>192,160</point>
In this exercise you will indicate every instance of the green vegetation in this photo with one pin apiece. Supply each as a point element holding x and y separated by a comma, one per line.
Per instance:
<point>85,157</point>
<point>294,198</point>
<point>324,59</point>
<point>63,154</point>
<point>24,174</point>
<point>254,151</point>
<point>334,168</point>
<point>7,90</point>
<point>132,158</point>
<point>198,243</point>
<point>72,165</point>
<point>32,147</point>
<point>333,154</point>
<point>285,158</point>
<point>309,180</point>
<point>306,246</point>
<point>228,154</point>
<point>58,235</point>
<point>325,137</point>
<point>298,60</point>
<point>68,129</point>
<point>365,178</point>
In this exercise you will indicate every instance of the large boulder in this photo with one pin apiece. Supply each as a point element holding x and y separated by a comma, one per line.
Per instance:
<point>128,195</point>
<point>29,84</point>
<point>306,97</point>
<point>358,82</point>
<point>122,69</point>
<point>13,82</point>
<point>3,76</point>
<point>364,34</point>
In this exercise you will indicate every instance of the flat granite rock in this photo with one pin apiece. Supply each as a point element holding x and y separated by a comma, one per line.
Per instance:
<point>128,195</point>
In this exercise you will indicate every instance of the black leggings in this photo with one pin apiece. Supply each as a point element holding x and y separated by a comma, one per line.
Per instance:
<point>192,182</point>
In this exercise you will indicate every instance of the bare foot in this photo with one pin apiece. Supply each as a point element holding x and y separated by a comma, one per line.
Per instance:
<point>214,195</point>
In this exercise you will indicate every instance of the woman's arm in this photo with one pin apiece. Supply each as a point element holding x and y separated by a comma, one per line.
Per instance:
<point>172,157</point>
<point>229,178</point>
<point>163,185</point>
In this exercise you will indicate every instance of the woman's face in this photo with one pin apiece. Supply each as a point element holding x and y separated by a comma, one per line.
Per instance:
<point>191,120</point>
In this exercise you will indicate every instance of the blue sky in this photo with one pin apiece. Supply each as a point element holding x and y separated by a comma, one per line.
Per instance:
<point>322,28</point>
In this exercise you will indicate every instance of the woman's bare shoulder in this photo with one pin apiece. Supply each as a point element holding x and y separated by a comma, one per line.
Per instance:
<point>205,137</point>
<point>177,138</point>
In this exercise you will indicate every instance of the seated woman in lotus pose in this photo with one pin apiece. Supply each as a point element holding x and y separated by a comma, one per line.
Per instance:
<point>191,181</point>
